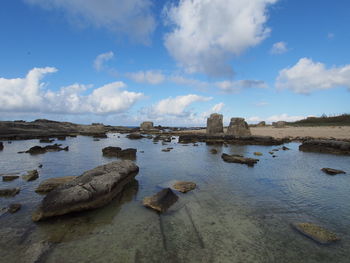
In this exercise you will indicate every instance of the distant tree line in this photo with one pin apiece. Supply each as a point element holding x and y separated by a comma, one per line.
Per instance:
<point>324,120</point>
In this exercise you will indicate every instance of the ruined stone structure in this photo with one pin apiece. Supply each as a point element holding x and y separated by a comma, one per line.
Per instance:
<point>238,127</point>
<point>215,124</point>
<point>146,126</point>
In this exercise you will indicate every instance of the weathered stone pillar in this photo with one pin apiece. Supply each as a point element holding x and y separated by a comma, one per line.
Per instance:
<point>215,124</point>
<point>238,127</point>
<point>146,126</point>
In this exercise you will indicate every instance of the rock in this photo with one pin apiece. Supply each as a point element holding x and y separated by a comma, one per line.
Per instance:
<point>118,152</point>
<point>261,124</point>
<point>284,148</point>
<point>99,136</point>
<point>46,140</point>
<point>13,208</point>
<point>326,146</point>
<point>9,178</point>
<point>96,139</point>
<point>31,176</point>
<point>146,126</point>
<point>134,136</point>
<point>258,154</point>
<point>61,138</point>
<point>9,192</point>
<point>238,159</point>
<point>331,171</point>
<point>274,156</point>
<point>40,166</point>
<point>238,127</point>
<point>214,151</point>
<point>184,187</point>
<point>92,189</point>
<point>50,184</point>
<point>166,150</point>
<point>161,201</point>
<point>215,124</point>
<point>279,124</point>
<point>48,148</point>
<point>1,146</point>
<point>271,153</point>
<point>316,233</point>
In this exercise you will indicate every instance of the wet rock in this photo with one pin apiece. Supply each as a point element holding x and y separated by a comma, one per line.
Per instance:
<point>214,151</point>
<point>146,126</point>
<point>99,136</point>
<point>215,124</point>
<point>50,184</point>
<point>134,136</point>
<point>40,166</point>
<point>284,148</point>
<point>258,154</point>
<point>118,152</point>
<point>316,233</point>
<point>48,148</point>
<point>331,171</point>
<point>238,127</point>
<point>239,159</point>
<point>111,151</point>
<point>9,178</point>
<point>166,150</point>
<point>161,201</point>
<point>271,153</point>
<point>61,138</point>
<point>184,187</point>
<point>31,176</point>
<point>326,146</point>
<point>93,189</point>
<point>13,208</point>
<point>1,146</point>
<point>96,139</point>
<point>35,252</point>
<point>46,140</point>
<point>9,192</point>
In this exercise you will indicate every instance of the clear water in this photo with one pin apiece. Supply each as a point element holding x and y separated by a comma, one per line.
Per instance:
<point>237,213</point>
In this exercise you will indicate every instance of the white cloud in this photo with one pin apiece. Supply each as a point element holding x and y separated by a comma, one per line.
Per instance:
<point>131,17</point>
<point>279,48</point>
<point>308,76</point>
<point>218,107</point>
<point>101,59</point>
<point>28,95</point>
<point>180,80</point>
<point>274,118</point>
<point>228,86</point>
<point>177,106</point>
<point>207,33</point>
<point>153,77</point>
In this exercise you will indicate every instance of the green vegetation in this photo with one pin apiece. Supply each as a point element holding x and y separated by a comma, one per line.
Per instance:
<point>324,120</point>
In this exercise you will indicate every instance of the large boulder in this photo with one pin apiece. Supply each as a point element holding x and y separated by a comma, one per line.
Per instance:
<point>238,127</point>
<point>239,159</point>
<point>215,124</point>
<point>146,126</point>
<point>50,184</point>
<point>92,189</point>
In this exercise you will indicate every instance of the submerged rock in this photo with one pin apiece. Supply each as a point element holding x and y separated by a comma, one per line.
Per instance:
<point>9,178</point>
<point>326,146</point>
<point>118,152</point>
<point>258,153</point>
<point>31,176</point>
<point>48,148</point>
<point>61,138</point>
<point>331,171</point>
<point>9,192</point>
<point>238,127</point>
<point>316,233</point>
<point>52,183</point>
<point>215,124</point>
<point>238,159</point>
<point>184,187</point>
<point>161,201</point>
<point>92,189</point>
<point>13,208</point>
<point>214,151</point>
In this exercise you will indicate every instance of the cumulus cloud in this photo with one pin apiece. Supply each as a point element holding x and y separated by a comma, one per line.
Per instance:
<point>153,77</point>
<point>274,118</point>
<point>101,59</point>
<point>308,76</point>
<point>279,48</point>
<point>228,86</point>
<point>131,17</point>
<point>207,33</point>
<point>29,95</point>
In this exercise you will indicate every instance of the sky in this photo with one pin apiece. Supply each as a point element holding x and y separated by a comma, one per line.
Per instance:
<point>173,62</point>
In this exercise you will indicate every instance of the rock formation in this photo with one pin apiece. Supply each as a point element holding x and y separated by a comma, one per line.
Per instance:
<point>239,159</point>
<point>238,127</point>
<point>9,191</point>
<point>9,177</point>
<point>146,126</point>
<point>316,233</point>
<point>215,124</point>
<point>52,183</point>
<point>118,152</point>
<point>92,189</point>
<point>161,201</point>
<point>326,146</point>
<point>31,176</point>
<point>184,187</point>
<point>331,171</point>
<point>48,148</point>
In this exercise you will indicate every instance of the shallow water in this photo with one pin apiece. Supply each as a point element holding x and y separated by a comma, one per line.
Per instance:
<point>236,214</point>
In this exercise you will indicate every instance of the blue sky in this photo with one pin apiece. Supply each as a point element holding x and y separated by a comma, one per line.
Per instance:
<point>173,62</point>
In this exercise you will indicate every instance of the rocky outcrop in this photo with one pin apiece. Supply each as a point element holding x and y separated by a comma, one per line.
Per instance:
<point>48,148</point>
<point>31,176</point>
<point>161,201</point>
<point>9,178</point>
<point>316,233</point>
<point>184,187</point>
<point>279,124</point>
<point>99,136</point>
<point>9,192</point>
<point>50,184</point>
<point>118,152</point>
<point>146,126</point>
<point>13,208</point>
<point>238,127</point>
<point>134,136</point>
<point>92,189</point>
<point>261,124</point>
<point>326,146</point>
<point>331,171</point>
<point>215,124</point>
<point>239,159</point>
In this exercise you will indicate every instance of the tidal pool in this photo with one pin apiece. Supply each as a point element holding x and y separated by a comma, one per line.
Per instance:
<point>236,214</point>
